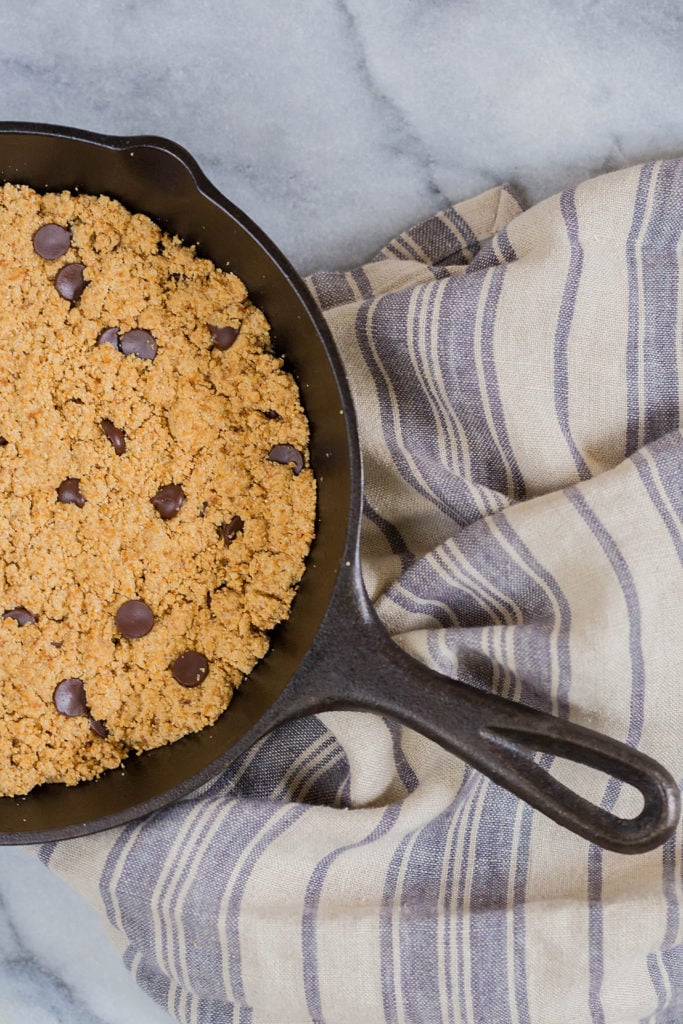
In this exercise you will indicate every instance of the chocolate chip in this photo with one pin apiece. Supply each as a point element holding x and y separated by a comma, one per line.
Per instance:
<point>140,343</point>
<point>69,492</point>
<point>168,500</point>
<point>69,698</point>
<point>230,530</point>
<point>109,336</point>
<point>190,669</point>
<point>286,453</point>
<point>51,241</point>
<point>270,414</point>
<point>99,728</point>
<point>134,619</point>
<point>116,436</point>
<point>57,643</point>
<point>70,282</point>
<point>223,337</point>
<point>20,615</point>
<point>3,442</point>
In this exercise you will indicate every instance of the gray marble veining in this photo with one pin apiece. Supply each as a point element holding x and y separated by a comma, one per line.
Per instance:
<point>57,965</point>
<point>334,124</point>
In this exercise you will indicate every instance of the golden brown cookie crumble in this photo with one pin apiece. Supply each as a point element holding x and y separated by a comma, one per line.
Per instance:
<point>156,504</point>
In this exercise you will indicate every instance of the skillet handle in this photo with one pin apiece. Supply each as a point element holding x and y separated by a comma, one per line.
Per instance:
<point>355,664</point>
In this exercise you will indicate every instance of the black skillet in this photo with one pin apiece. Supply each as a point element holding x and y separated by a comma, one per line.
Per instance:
<point>333,651</point>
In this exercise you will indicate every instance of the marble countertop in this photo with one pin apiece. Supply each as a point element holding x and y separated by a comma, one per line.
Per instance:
<point>333,124</point>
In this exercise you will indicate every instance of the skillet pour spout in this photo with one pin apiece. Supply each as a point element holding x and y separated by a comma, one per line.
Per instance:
<point>332,652</point>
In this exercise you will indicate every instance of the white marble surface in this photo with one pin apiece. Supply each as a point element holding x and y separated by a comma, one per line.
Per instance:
<point>56,961</point>
<point>333,123</point>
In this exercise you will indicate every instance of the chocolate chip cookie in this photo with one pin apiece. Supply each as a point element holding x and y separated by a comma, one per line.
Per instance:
<point>156,503</point>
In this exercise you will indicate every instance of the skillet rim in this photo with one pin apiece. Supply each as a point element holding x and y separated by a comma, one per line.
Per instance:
<point>203,186</point>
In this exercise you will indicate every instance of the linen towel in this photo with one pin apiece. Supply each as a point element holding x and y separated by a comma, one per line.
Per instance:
<point>519,383</point>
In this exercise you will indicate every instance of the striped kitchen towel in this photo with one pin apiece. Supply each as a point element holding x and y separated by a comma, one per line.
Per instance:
<point>519,383</point>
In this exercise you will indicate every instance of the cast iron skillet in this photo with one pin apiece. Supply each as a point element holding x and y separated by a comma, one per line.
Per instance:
<point>332,652</point>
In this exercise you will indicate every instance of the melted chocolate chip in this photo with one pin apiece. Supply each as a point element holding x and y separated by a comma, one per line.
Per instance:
<point>190,669</point>
<point>169,500</point>
<point>230,530</point>
<point>69,698</point>
<point>134,619</point>
<point>51,241</point>
<point>223,338</point>
<point>69,492</point>
<point>140,343</point>
<point>20,615</point>
<point>99,728</point>
<point>116,436</point>
<point>3,442</point>
<point>70,282</point>
<point>109,336</point>
<point>286,453</point>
